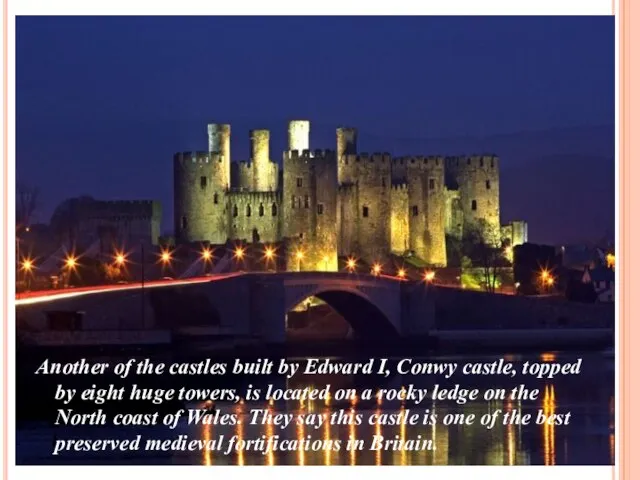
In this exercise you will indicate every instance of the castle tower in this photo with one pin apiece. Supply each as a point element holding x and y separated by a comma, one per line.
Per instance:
<point>220,142</point>
<point>372,178</point>
<point>346,144</point>
<point>309,205</point>
<point>199,197</point>
<point>261,165</point>
<point>299,135</point>
<point>478,182</point>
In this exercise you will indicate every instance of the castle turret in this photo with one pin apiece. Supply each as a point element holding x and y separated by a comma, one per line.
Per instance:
<point>299,134</point>
<point>310,205</point>
<point>346,144</point>
<point>220,143</point>
<point>477,180</point>
<point>261,165</point>
<point>199,197</point>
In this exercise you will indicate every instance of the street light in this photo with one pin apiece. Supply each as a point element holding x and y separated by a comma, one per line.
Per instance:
<point>206,255</point>
<point>269,255</point>
<point>165,259</point>
<point>119,258</point>
<point>377,269</point>
<point>27,267</point>
<point>429,276</point>
<point>238,253</point>
<point>402,273</point>
<point>351,264</point>
<point>71,262</point>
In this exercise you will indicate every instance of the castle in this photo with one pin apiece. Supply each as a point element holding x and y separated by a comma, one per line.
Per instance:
<point>330,203</point>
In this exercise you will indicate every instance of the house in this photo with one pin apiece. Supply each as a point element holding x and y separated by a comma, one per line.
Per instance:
<point>603,280</point>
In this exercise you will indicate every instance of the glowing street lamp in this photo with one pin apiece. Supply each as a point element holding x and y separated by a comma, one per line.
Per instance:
<point>165,257</point>
<point>71,262</point>
<point>269,253</point>
<point>402,273</point>
<point>377,269</point>
<point>238,253</point>
<point>351,264</point>
<point>119,258</point>
<point>269,256</point>
<point>429,276</point>
<point>27,265</point>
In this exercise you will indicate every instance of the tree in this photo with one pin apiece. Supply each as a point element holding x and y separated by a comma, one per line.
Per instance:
<point>26,204</point>
<point>483,246</point>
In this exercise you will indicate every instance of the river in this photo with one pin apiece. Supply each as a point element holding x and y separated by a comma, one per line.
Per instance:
<point>588,439</point>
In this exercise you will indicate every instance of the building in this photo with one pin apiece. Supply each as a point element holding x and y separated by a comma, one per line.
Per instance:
<point>329,203</point>
<point>603,280</point>
<point>83,222</point>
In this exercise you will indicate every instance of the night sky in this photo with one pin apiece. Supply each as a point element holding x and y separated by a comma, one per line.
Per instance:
<point>103,103</point>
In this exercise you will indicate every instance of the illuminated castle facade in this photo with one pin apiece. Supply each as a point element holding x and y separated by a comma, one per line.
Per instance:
<point>331,203</point>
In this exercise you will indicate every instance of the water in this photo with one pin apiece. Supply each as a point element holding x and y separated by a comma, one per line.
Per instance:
<point>588,439</point>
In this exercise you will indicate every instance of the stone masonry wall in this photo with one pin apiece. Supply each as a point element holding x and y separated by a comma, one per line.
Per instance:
<point>199,186</point>
<point>254,216</point>
<point>399,218</point>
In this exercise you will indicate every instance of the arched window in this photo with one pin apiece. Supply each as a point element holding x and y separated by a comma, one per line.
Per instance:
<point>248,210</point>
<point>274,210</point>
<point>235,210</point>
<point>261,210</point>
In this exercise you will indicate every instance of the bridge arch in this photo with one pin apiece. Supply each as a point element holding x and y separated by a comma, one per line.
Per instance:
<point>368,317</point>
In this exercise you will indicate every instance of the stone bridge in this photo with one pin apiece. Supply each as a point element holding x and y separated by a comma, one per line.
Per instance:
<point>253,304</point>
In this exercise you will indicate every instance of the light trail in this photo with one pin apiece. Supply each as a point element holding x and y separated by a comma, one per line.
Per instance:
<point>32,298</point>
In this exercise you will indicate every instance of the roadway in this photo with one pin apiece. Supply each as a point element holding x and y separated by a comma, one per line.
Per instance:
<point>41,296</point>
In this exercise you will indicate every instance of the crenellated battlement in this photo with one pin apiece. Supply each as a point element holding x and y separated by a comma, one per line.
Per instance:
<point>317,154</point>
<point>185,158</point>
<point>254,197</point>
<point>399,187</point>
<point>244,164</point>
<point>365,157</point>
<point>419,161</point>
<point>484,161</point>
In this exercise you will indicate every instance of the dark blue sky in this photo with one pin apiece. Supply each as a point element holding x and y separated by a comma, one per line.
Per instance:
<point>104,102</point>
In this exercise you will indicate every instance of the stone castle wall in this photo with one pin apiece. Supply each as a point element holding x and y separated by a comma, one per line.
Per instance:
<point>310,206</point>
<point>199,187</point>
<point>477,180</point>
<point>254,216</point>
<point>399,218</point>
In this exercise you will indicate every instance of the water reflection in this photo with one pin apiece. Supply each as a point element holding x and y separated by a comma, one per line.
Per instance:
<point>549,432</point>
<point>589,439</point>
